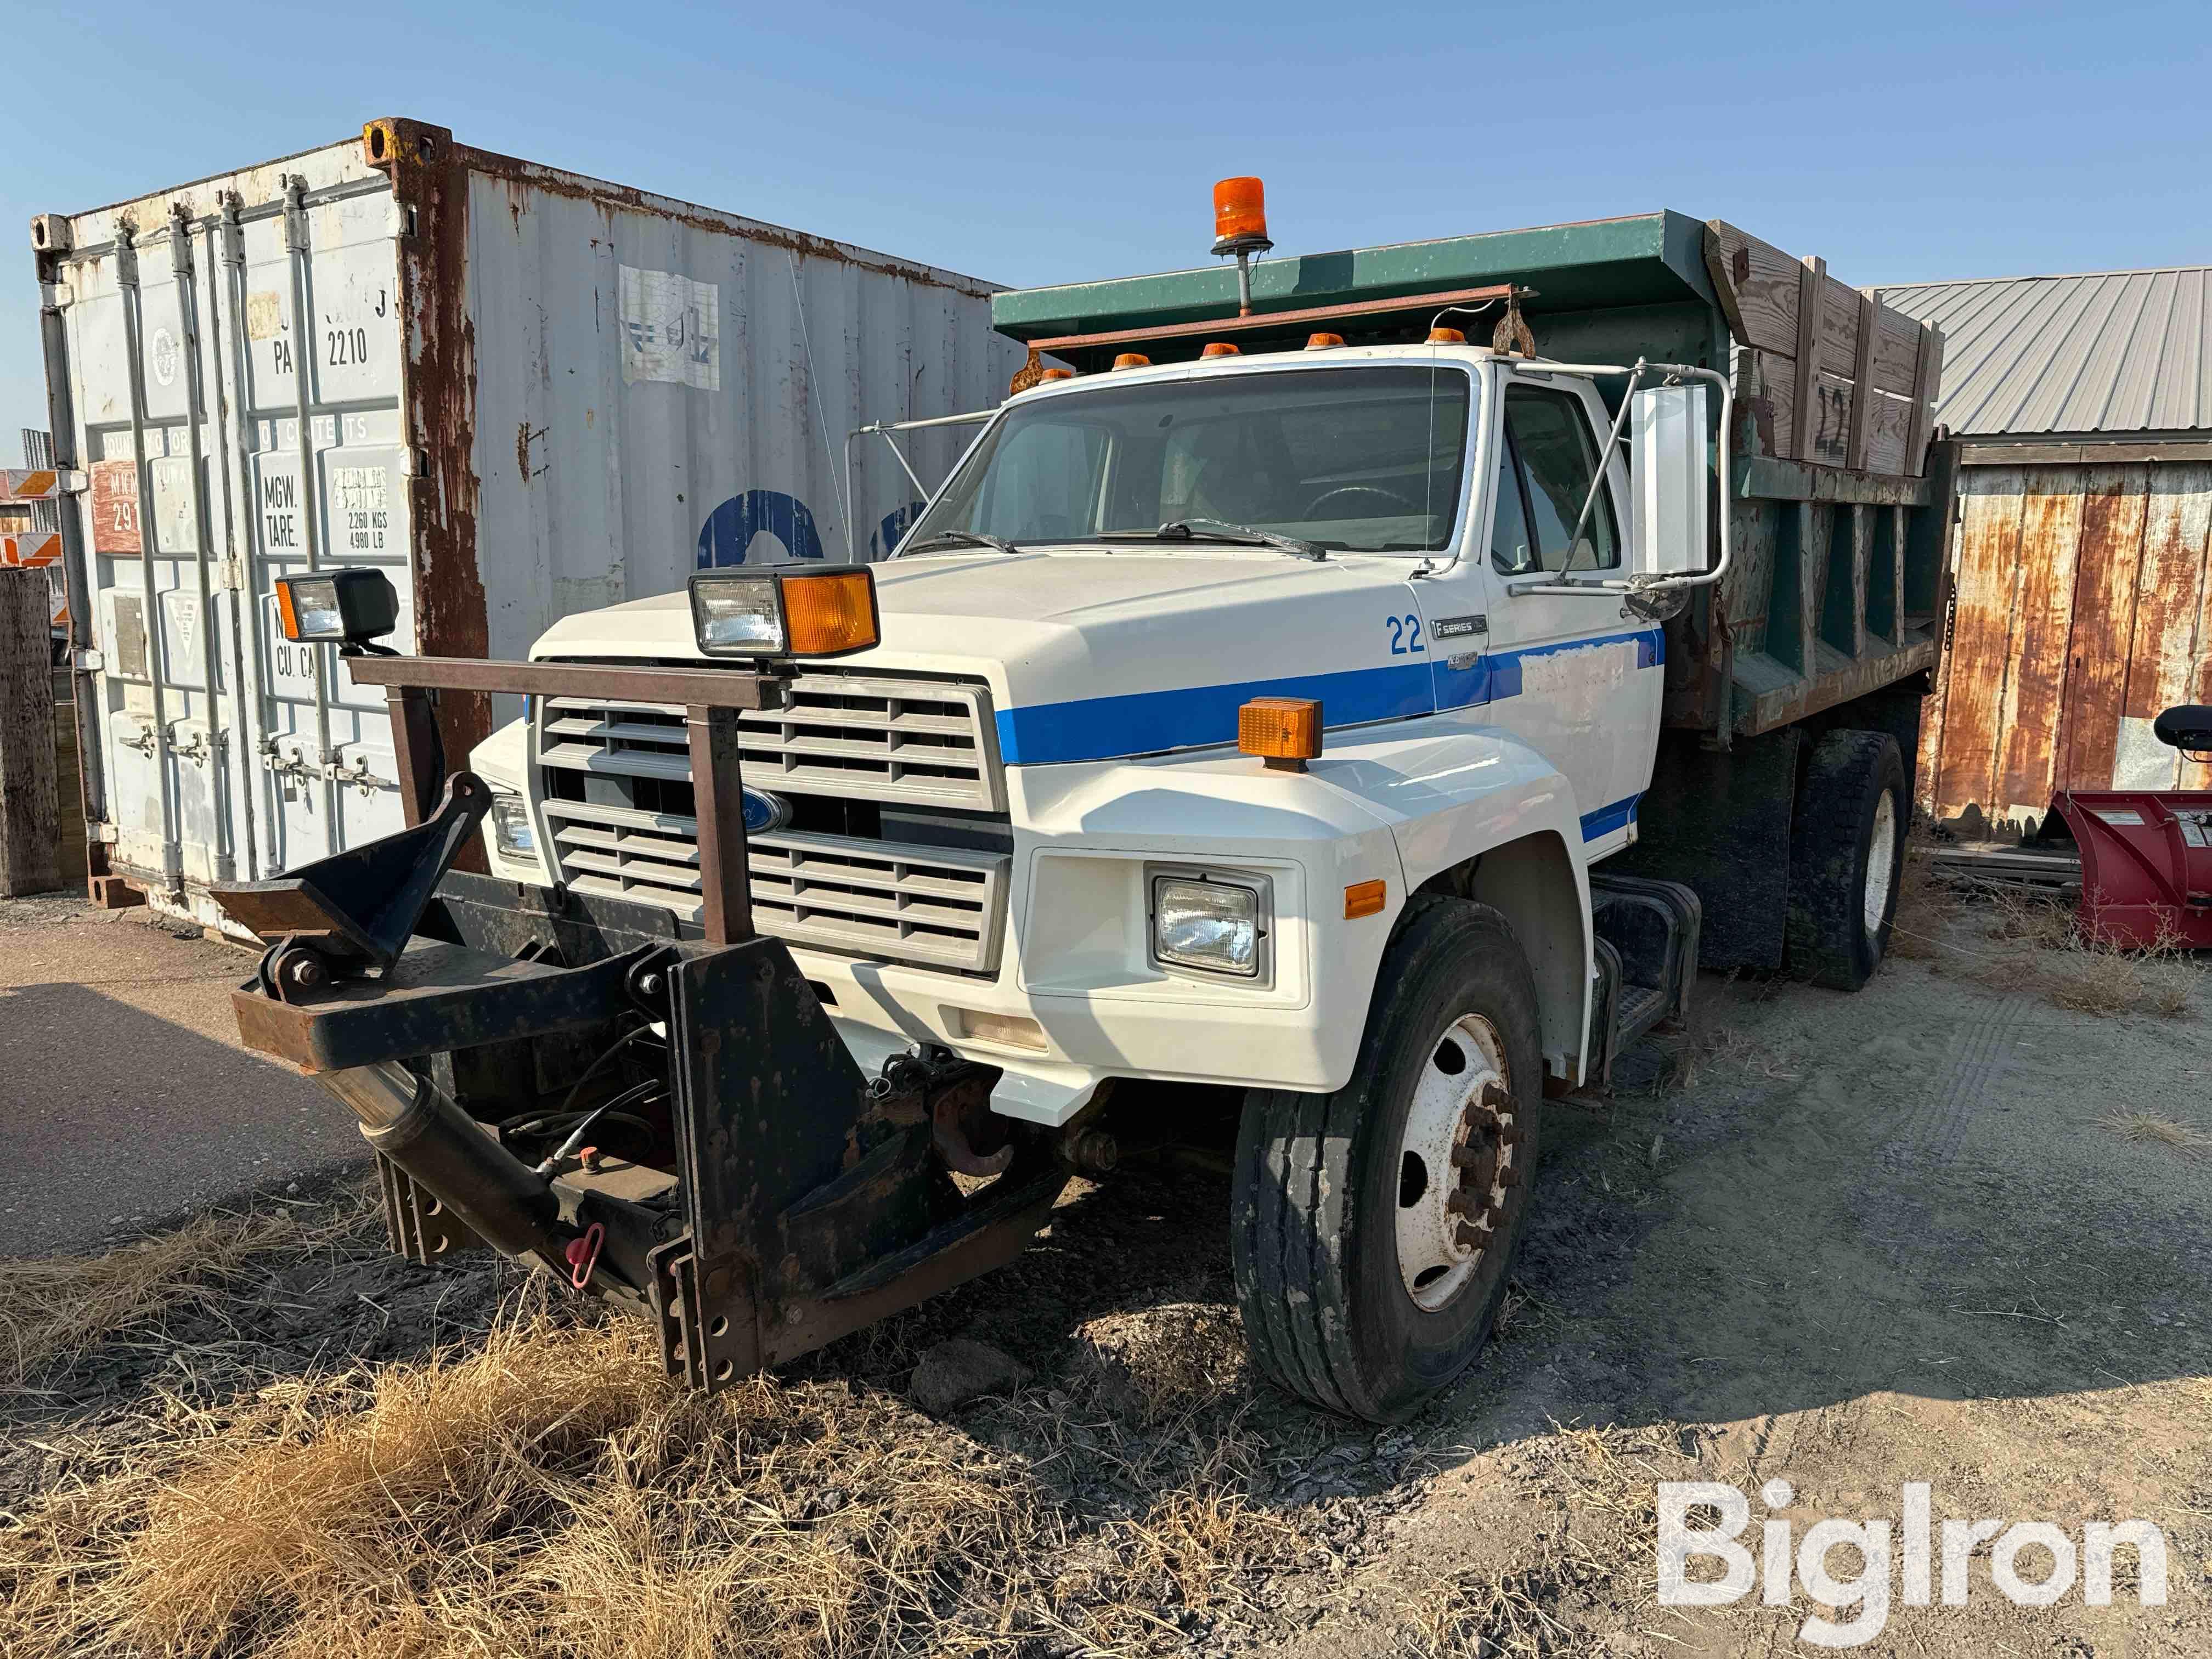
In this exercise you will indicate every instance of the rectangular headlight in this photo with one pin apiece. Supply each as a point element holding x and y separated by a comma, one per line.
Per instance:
<point>1214,926</point>
<point>510,830</point>
<point>350,606</point>
<point>737,615</point>
<point>822,611</point>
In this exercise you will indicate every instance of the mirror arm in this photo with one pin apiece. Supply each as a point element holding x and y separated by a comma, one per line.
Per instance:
<point>1605,460</point>
<point>1603,587</point>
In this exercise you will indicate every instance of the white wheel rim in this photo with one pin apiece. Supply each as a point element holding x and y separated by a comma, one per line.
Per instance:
<point>1881,863</point>
<point>1434,1258</point>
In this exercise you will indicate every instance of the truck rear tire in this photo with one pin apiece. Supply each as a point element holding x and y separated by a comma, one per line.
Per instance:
<point>1372,1228</point>
<point>1846,853</point>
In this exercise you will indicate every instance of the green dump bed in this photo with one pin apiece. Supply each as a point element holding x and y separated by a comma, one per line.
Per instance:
<point>1842,501</point>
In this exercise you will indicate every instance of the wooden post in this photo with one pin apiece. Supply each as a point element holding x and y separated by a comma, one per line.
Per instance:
<point>1811,299</point>
<point>30,804</point>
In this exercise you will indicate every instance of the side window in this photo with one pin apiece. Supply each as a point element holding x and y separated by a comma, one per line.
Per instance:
<point>1558,457</point>
<point>1511,549</point>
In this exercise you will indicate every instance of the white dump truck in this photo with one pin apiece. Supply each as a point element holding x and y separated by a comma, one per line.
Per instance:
<point>1367,690</point>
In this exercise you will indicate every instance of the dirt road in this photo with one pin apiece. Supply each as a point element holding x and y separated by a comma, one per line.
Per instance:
<point>127,1097</point>
<point>1944,1231</point>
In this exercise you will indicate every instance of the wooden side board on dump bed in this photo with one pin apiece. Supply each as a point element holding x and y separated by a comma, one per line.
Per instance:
<point>1811,347</point>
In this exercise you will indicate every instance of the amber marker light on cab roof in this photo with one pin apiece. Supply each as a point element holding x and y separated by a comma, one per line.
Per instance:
<point>1284,731</point>
<point>1364,898</point>
<point>1447,336</point>
<point>1323,342</point>
<point>1220,349</point>
<point>1058,374</point>
<point>1132,360</point>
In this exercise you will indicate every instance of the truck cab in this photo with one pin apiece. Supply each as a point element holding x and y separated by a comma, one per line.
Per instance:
<point>965,831</point>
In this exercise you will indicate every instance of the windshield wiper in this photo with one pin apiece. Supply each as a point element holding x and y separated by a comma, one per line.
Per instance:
<point>1219,529</point>
<point>960,538</point>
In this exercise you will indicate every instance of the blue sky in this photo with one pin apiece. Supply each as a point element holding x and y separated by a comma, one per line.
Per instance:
<point>1030,144</point>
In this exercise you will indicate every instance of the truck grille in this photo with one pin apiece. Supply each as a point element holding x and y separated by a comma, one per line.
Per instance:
<point>920,742</point>
<point>924,742</point>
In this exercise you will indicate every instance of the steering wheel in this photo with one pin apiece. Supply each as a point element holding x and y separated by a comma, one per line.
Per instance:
<point>1313,507</point>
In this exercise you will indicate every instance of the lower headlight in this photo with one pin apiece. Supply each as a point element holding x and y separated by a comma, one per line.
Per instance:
<point>1214,926</point>
<point>510,830</point>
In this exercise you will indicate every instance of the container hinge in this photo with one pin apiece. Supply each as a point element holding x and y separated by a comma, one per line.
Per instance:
<point>232,577</point>
<point>88,660</point>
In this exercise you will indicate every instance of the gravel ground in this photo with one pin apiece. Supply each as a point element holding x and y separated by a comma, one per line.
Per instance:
<point>1920,1234</point>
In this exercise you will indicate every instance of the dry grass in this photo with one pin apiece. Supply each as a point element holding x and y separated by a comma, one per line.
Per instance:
<point>2086,975</point>
<point>52,1308</point>
<point>546,1491</point>
<point>1926,906</point>
<point>1576,1583</point>
<point>2151,1129</point>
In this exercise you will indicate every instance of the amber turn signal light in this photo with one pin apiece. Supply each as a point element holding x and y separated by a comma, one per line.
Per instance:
<point>1364,898</point>
<point>830,613</point>
<point>1284,731</point>
<point>1220,349</point>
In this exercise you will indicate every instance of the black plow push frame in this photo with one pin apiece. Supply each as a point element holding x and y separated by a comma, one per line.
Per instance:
<point>806,1200</point>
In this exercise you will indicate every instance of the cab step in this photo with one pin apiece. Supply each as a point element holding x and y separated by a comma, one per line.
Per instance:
<point>1646,953</point>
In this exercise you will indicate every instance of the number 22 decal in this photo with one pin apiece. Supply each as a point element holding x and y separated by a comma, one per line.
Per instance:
<point>1405,636</point>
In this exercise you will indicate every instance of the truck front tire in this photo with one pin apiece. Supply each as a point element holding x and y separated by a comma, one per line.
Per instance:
<point>1372,1228</point>
<point>1846,854</point>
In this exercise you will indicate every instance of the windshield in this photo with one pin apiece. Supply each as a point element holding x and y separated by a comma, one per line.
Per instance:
<point>1363,460</point>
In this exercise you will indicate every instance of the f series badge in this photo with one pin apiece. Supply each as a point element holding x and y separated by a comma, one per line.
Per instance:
<point>1452,628</point>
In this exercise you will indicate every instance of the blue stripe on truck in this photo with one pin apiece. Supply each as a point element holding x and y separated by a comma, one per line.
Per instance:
<point>1191,717</point>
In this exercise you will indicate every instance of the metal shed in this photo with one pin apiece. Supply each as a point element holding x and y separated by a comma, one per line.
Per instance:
<point>2082,593</point>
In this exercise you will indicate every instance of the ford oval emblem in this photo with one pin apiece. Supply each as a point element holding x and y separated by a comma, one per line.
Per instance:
<point>764,813</point>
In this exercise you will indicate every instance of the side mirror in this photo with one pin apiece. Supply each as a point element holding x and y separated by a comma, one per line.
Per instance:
<point>1670,459</point>
<point>2186,725</point>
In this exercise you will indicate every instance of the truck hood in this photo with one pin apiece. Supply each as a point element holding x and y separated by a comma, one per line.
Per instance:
<point>1091,654</point>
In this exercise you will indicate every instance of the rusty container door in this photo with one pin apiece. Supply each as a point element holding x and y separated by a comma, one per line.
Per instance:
<point>2082,608</point>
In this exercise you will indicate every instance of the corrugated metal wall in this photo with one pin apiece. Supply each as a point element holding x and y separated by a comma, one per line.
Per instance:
<point>2082,608</point>
<point>657,391</point>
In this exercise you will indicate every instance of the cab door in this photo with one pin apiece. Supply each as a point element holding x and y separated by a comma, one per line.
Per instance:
<point>1576,676</point>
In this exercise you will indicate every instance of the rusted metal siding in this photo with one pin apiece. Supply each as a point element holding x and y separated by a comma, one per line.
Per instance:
<point>2082,610</point>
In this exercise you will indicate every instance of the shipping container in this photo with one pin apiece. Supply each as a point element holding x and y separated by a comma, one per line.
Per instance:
<point>523,392</point>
